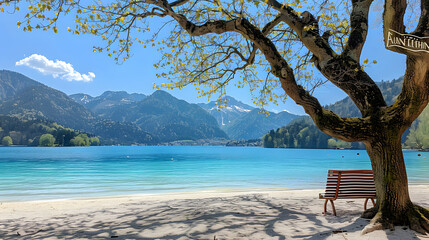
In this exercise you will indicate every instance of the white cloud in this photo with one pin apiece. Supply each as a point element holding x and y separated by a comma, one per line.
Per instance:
<point>58,68</point>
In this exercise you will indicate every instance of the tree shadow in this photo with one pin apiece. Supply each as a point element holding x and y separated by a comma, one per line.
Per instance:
<point>241,217</point>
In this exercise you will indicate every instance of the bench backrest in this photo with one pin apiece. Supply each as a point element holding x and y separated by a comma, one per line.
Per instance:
<point>350,184</point>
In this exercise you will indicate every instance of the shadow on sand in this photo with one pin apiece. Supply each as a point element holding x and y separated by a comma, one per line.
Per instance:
<point>241,217</point>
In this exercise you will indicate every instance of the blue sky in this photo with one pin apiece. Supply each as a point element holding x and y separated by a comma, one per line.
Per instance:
<point>137,74</point>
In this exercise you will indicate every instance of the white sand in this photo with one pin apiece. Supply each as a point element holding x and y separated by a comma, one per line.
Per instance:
<point>290,214</point>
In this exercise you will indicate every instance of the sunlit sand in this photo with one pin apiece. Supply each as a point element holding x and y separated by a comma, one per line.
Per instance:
<point>270,214</point>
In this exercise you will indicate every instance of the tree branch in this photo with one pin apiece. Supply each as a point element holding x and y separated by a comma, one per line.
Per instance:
<point>359,28</point>
<point>393,17</point>
<point>178,3</point>
<point>307,29</point>
<point>344,70</point>
<point>414,95</point>
<point>422,28</point>
<point>348,129</point>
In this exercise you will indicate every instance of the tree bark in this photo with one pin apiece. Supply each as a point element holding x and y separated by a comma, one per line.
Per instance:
<point>393,207</point>
<point>390,176</point>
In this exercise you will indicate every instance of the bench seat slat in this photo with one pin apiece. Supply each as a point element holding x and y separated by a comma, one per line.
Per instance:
<point>353,192</point>
<point>352,184</point>
<point>348,197</point>
<point>355,189</point>
<point>351,179</point>
<point>351,175</point>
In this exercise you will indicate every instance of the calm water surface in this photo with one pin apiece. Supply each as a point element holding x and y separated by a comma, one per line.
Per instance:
<point>78,172</point>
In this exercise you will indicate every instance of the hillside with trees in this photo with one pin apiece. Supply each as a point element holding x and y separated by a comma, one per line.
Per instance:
<point>418,138</point>
<point>347,108</point>
<point>36,132</point>
<point>303,133</point>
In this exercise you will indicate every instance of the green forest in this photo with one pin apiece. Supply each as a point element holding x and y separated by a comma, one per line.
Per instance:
<point>302,133</point>
<point>36,132</point>
<point>418,138</point>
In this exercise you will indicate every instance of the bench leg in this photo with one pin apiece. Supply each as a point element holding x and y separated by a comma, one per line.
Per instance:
<point>366,201</point>
<point>333,207</point>
<point>324,207</point>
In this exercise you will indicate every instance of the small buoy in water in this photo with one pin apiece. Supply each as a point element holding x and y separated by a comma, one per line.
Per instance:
<point>172,159</point>
<point>357,153</point>
<point>419,154</point>
<point>424,157</point>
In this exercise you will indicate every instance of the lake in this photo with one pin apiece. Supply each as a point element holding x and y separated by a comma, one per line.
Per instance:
<point>28,173</point>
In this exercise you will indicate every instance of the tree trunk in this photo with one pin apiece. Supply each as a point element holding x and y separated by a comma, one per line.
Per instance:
<point>393,206</point>
<point>390,178</point>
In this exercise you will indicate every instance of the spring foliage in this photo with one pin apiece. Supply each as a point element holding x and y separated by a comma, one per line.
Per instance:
<point>211,62</point>
<point>46,140</point>
<point>6,141</point>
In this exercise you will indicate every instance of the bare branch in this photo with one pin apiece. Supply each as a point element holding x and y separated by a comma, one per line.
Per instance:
<point>359,28</point>
<point>178,3</point>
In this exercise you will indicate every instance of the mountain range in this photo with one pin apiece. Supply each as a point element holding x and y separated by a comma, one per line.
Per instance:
<point>169,118</point>
<point>118,117</point>
<point>226,115</point>
<point>102,104</point>
<point>243,122</point>
<point>154,113</point>
<point>27,99</point>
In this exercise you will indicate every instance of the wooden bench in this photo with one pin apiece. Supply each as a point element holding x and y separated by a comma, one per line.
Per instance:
<point>348,184</point>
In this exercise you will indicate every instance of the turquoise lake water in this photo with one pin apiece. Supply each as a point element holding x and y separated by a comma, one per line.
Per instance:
<point>79,172</point>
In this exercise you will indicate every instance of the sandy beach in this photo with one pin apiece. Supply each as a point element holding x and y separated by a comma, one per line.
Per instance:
<point>287,214</point>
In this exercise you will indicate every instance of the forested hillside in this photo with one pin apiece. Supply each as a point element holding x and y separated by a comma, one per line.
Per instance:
<point>346,107</point>
<point>38,132</point>
<point>418,138</point>
<point>302,133</point>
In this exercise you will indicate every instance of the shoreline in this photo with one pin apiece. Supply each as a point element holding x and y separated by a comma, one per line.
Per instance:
<point>173,144</point>
<point>179,194</point>
<point>196,215</point>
